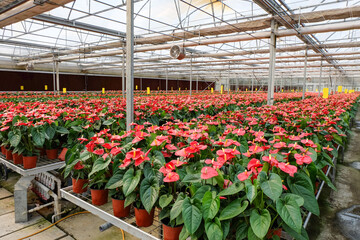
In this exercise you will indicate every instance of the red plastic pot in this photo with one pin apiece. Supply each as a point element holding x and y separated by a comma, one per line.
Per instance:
<point>62,154</point>
<point>99,196</point>
<point>119,210</point>
<point>171,233</point>
<point>29,162</point>
<point>3,150</point>
<point>18,159</point>
<point>9,155</point>
<point>51,153</point>
<point>78,185</point>
<point>274,232</point>
<point>143,218</point>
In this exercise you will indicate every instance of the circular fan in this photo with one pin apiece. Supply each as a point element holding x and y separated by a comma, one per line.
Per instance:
<point>177,52</point>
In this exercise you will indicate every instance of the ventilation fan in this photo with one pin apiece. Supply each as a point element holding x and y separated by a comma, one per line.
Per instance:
<point>177,52</point>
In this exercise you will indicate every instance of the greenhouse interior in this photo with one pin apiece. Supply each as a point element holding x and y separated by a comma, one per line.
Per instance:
<point>179,119</point>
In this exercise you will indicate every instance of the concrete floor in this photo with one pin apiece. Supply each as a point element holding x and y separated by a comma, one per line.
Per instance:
<point>347,182</point>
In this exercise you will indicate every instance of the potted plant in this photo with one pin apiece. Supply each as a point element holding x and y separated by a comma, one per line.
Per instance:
<point>52,141</point>
<point>79,166</point>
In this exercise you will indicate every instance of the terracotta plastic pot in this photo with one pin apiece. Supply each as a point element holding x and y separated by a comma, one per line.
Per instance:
<point>143,218</point>
<point>18,159</point>
<point>29,162</point>
<point>62,154</point>
<point>78,185</point>
<point>99,196</point>
<point>118,208</point>
<point>171,233</point>
<point>51,153</point>
<point>9,155</point>
<point>274,232</point>
<point>3,150</point>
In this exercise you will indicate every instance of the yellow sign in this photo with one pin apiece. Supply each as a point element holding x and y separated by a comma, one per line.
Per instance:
<point>172,88</point>
<point>179,88</point>
<point>307,90</point>
<point>64,90</point>
<point>158,88</point>
<point>316,90</point>
<point>339,89</point>
<point>21,87</point>
<point>282,90</point>
<point>148,90</point>
<point>45,87</point>
<point>212,90</point>
<point>246,90</point>
<point>326,93</point>
<point>221,89</point>
<point>255,89</point>
<point>136,87</point>
<point>346,91</point>
<point>103,90</point>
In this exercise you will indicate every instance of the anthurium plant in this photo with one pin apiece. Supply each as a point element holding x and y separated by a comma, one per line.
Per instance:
<point>218,165</point>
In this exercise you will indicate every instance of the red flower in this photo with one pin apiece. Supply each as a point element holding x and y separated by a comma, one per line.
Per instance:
<point>125,163</point>
<point>328,148</point>
<point>171,177</point>
<point>286,167</point>
<point>115,151</point>
<point>78,166</point>
<point>301,159</point>
<point>99,151</point>
<point>254,163</point>
<point>208,172</point>
<point>4,128</point>
<point>244,175</point>
<point>280,145</point>
<point>177,162</point>
<point>143,157</point>
<point>110,145</point>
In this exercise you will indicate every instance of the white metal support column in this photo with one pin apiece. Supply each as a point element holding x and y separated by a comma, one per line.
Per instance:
<point>270,97</point>
<point>305,66</point>
<point>57,76</point>
<point>252,82</point>
<point>190,75</point>
<point>54,77</point>
<point>123,74</point>
<point>167,80</point>
<point>129,63</point>
<point>197,83</point>
<point>320,80</point>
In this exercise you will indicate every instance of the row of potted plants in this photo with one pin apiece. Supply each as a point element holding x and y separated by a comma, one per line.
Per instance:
<point>247,173</point>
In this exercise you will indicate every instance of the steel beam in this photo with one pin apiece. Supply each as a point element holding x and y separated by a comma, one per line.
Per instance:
<point>129,63</point>
<point>305,66</point>
<point>270,97</point>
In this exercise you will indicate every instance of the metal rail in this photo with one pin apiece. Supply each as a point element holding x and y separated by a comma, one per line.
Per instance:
<point>43,165</point>
<point>127,224</point>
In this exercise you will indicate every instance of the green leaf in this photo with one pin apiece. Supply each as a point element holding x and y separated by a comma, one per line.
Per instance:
<point>192,216</point>
<point>177,207</point>
<point>184,234</point>
<point>233,209</point>
<point>15,140</point>
<point>115,181</point>
<point>250,191</point>
<point>294,234</point>
<point>130,199</point>
<point>298,199</point>
<point>62,130</point>
<point>149,192</point>
<point>100,164</point>
<point>251,235</point>
<point>210,205</point>
<point>38,136</point>
<point>192,178</point>
<point>233,189</point>
<point>289,211</point>
<point>260,222</point>
<point>199,194</point>
<point>159,156</point>
<point>109,122</point>
<point>301,185</point>
<point>165,200</point>
<point>213,230</point>
<point>130,181</point>
<point>49,133</point>
<point>322,176</point>
<point>242,231</point>
<point>272,187</point>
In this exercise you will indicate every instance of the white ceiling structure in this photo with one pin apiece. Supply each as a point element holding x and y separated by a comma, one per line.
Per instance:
<point>222,38</point>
